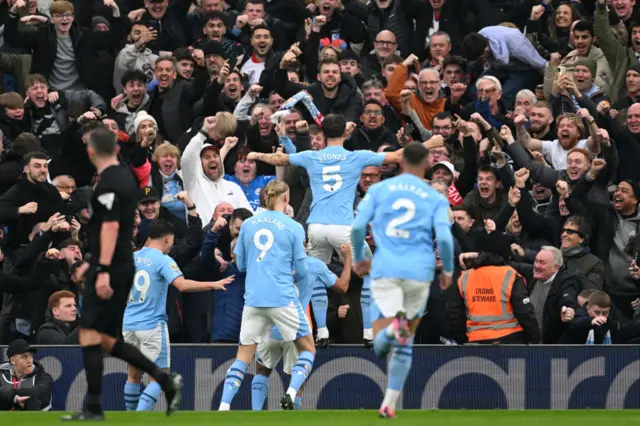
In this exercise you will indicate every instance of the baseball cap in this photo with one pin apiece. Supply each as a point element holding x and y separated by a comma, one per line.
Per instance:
<point>445,164</point>
<point>148,193</point>
<point>208,146</point>
<point>18,347</point>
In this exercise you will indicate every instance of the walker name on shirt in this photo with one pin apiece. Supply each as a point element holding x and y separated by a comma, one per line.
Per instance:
<point>271,220</point>
<point>409,188</point>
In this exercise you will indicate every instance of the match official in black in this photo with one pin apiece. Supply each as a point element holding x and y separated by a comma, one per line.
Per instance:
<point>110,277</point>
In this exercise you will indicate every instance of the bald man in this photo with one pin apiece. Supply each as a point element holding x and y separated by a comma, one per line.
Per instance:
<point>384,44</point>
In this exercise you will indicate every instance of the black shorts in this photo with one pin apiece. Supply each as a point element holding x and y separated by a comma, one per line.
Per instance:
<point>105,316</point>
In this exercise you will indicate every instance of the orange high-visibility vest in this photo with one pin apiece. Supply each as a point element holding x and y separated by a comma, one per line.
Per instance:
<point>487,291</point>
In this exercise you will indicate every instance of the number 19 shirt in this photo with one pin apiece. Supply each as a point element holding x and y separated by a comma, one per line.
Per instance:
<point>147,306</point>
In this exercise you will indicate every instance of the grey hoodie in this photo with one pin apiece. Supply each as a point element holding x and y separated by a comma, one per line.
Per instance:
<point>619,258</point>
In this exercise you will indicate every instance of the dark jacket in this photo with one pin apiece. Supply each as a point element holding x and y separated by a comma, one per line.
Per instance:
<point>170,35</point>
<point>370,140</point>
<point>581,259</point>
<point>397,18</point>
<point>564,291</point>
<point>37,385</point>
<point>483,210</point>
<point>55,332</point>
<point>519,301</point>
<point>580,325</point>
<point>176,105</point>
<point>348,101</point>
<point>23,192</point>
<point>10,170</point>
<point>44,44</point>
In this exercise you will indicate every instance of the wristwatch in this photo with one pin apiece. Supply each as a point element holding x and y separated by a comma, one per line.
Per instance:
<point>193,207</point>
<point>203,133</point>
<point>102,269</point>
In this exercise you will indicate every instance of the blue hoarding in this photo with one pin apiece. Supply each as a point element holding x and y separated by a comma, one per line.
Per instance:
<point>447,377</point>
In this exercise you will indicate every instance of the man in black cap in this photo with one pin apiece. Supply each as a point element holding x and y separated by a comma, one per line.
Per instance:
<point>151,209</point>
<point>24,385</point>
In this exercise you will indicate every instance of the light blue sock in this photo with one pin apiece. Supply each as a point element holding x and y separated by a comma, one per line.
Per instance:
<point>233,380</point>
<point>297,404</point>
<point>300,372</point>
<point>365,302</point>
<point>382,343</point>
<point>131,396</point>
<point>400,365</point>
<point>149,397</point>
<point>319,302</point>
<point>259,391</point>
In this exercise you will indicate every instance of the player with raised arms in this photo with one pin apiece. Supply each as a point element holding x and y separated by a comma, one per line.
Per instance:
<point>334,173</point>
<point>145,318</point>
<point>271,250</point>
<point>403,212</point>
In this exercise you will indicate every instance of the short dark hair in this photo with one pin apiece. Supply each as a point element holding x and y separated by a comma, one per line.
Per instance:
<point>583,225</point>
<point>328,61</point>
<point>214,15</point>
<point>455,60</point>
<point>314,129</point>
<point>90,126</point>
<point>333,126</point>
<point>415,154</point>
<point>241,213</point>
<point>488,169</point>
<point>599,298</point>
<point>70,242</point>
<point>372,102</point>
<point>262,2</point>
<point>133,75</point>
<point>103,141</point>
<point>35,155</point>
<point>584,25</point>
<point>442,115</point>
<point>160,228</point>
<point>25,143</point>
<point>392,59</point>
<point>261,27</point>
<point>473,46</point>
<point>462,208</point>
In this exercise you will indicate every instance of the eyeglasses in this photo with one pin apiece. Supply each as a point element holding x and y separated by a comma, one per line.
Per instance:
<point>486,91</point>
<point>370,176</point>
<point>62,15</point>
<point>385,43</point>
<point>572,232</point>
<point>429,83</point>
<point>437,153</point>
<point>372,112</point>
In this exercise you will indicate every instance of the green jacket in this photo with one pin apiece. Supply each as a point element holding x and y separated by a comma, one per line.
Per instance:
<point>617,54</point>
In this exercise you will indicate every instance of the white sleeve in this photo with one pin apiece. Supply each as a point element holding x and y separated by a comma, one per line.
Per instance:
<point>189,160</point>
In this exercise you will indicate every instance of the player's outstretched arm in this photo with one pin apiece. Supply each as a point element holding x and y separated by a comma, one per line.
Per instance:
<point>442,227</point>
<point>275,159</point>
<point>185,285</point>
<point>396,156</point>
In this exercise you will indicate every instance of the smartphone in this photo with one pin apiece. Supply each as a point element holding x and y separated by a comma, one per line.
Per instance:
<point>562,71</point>
<point>153,24</point>
<point>68,218</point>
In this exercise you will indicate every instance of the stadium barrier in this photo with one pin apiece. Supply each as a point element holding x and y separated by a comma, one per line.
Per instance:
<point>346,377</point>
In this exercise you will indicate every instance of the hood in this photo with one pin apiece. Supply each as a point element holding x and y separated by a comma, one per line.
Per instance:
<point>122,106</point>
<point>8,368</point>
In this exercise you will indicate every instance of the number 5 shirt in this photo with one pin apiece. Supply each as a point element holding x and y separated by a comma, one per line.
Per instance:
<point>334,174</point>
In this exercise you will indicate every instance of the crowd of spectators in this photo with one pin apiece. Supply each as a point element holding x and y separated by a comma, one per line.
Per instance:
<point>536,103</point>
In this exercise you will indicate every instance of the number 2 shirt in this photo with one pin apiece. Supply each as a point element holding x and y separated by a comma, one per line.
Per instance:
<point>147,306</point>
<point>403,212</point>
<point>334,174</point>
<point>269,246</point>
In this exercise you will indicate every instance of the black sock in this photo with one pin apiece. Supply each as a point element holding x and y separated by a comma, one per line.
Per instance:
<point>134,357</point>
<point>93,370</point>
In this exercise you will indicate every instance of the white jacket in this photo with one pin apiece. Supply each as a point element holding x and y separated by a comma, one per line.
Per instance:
<point>205,193</point>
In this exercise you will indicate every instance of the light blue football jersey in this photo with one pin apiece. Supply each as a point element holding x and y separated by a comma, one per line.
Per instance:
<point>403,212</point>
<point>318,276</point>
<point>334,174</point>
<point>147,306</point>
<point>268,247</point>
